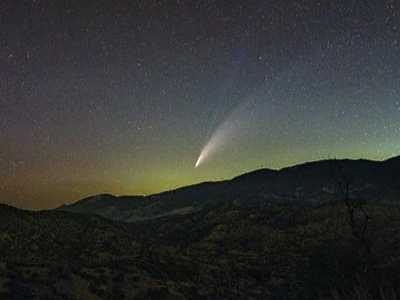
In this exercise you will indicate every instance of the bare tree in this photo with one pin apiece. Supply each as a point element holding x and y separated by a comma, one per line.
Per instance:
<point>358,217</point>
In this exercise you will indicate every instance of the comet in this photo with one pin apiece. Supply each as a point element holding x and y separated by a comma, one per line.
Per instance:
<point>230,129</point>
<point>261,104</point>
<point>215,142</point>
<point>198,161</point>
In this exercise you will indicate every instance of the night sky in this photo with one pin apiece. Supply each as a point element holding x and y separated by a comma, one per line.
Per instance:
<point>122,96</point>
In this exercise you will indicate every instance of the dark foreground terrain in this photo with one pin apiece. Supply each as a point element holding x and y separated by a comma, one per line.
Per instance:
<point>344,244</point>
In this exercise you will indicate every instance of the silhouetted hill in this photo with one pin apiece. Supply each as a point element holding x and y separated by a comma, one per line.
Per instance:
<point>312,183</point>
<point>106,205</point>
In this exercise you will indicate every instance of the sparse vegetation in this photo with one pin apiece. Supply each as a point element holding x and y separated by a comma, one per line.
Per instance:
<point>278,252</point>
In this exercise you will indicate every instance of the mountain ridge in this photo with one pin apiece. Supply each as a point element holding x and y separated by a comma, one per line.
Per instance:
<point>306,183</point>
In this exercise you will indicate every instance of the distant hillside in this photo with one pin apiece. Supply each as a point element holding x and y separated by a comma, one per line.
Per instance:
<point>227,251</point>
<point>311,183</point>
<point>58,255</point>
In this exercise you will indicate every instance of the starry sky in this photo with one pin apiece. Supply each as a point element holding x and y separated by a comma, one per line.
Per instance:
<point>122,96</point>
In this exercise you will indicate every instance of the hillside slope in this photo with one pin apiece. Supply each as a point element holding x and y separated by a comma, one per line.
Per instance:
<point>223,252</point>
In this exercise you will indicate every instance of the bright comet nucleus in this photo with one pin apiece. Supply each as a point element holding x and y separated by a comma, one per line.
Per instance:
<point>198,162</point>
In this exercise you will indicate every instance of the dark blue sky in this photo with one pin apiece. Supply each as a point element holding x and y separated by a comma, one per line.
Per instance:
<point>123,96</point>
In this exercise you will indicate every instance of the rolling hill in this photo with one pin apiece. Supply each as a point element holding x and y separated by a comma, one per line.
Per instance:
<point>307,184</point>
